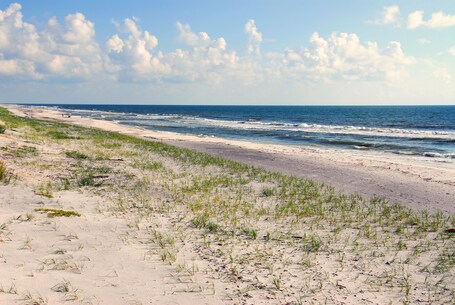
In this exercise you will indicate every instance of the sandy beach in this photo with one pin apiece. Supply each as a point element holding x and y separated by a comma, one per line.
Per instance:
<point>420,183</point>
<point>90,217</point>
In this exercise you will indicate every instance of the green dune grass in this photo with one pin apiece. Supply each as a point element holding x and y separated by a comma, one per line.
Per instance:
<point>270,233</point>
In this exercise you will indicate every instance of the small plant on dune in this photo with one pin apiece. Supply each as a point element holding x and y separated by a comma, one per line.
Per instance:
<point>51,213</point>
<point>76,154</point>
<point>66,288</point>
<point>29,217</point>
<point>202,222</point>
<point>86,180</point>
<point>31,300</point>
<point>5,175</point>
<point>3,171</point>
<point>90,176</point>
<point>250,233</point>
<point>12,289</point>
<point>152,165</point>
<point>277,283</point>
<point>45,190</point>
<point>59,135</point>
<point>401,245</point>
<point>24,151</point>
<point>212,227</point>
<point>267,192</point>
<point>168,257</point>
<point>65,184</point>
<point>2,128</point>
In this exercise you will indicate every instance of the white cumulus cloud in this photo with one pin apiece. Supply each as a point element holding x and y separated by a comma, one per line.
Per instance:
<point>254,37</point>
<point>389,15</point>
<point>134,54</point>
<point>115,44</point>
<point>68,50</point>
<point>437,20</point>
<point>343,57</point>
<point>186,36</point>
<point>202,57</point>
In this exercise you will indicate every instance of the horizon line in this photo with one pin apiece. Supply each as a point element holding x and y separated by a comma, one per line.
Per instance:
<point>238,105</point>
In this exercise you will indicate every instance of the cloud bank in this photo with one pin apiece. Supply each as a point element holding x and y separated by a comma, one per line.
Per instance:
<point>343,57</point>
<point>437,20</point>
<point>67,50</point>
<point>70,51</point>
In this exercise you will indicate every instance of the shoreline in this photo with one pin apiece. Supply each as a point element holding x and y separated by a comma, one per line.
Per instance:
<point>95,217</point>
<point>421,184</point>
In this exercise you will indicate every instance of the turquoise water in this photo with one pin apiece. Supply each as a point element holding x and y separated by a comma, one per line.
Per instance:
<point>428,131</point>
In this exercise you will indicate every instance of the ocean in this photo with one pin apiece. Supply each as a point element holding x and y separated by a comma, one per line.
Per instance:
<point>427,131</point>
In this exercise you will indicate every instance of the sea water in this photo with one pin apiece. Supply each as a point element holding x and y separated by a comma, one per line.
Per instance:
<point>427,131</point>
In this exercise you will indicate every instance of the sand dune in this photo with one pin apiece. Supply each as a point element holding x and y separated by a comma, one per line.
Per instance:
<point>421,183</point>
<point>88,217</point>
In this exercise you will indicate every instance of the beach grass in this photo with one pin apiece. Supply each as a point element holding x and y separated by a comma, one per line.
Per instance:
<point>51,213</point>
<point>271,235</point>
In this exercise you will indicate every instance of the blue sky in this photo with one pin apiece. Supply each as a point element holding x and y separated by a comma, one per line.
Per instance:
<point>228,52</point>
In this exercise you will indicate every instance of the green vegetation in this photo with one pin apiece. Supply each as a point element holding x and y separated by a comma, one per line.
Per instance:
<point>59,135</point>
<point>76,155</point>
<point>151,166</point>
<point>2,128</point>
<point>5,175</point>
<point>267,192</point>
<point>253,227</point>
<point>45,190</point>
<point>3,171</point>
<point>91,176</point>
<point>51,213</point>
<point>24,151</point>
<point>87,180</point>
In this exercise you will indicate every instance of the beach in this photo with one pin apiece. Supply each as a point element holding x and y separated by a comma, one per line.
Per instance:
<point>95,212</point>
<point>420,183</point>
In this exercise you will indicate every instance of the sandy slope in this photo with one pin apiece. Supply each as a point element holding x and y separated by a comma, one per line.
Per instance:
<point>420,183</point>
<point>87,252</point>
<point>89,259</point>
<point>106,258</point>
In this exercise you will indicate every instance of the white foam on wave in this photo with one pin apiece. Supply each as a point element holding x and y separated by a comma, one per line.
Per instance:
<point>282,126</point>
<point>334,129</point>
<point>426,154</point>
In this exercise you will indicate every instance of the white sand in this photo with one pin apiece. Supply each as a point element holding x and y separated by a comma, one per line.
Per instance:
<point>93,259</point>
<point>92,253</point>
<point>421,183</point>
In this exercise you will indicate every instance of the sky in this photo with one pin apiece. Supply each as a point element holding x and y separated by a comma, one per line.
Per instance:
<point>239,52</point>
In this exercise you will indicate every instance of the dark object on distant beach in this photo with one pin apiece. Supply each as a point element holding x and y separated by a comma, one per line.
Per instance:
<point>451,230</point>
<point>66,115</point>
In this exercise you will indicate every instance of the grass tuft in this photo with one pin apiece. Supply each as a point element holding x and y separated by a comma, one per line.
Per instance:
<point>51,213</point>
<point>6,176</point>
<point>255,236</point>
<point>59,135</point>
<point>45,190</point>
<point>76,154</point>
<point>3,171</point>
<point>267,192</point>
